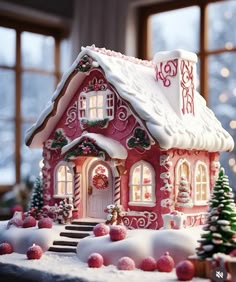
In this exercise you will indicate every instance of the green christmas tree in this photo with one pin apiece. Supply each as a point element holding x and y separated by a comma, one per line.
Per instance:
<point>36,200</point>
<point>220,228</point>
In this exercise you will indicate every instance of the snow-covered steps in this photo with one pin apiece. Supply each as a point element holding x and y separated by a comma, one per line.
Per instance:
<point>73,233</point>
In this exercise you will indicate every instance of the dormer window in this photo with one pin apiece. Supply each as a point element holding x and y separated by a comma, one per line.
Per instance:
<point>96,105</point>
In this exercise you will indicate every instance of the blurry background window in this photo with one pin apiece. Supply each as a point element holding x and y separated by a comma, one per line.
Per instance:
<point>208,29</point>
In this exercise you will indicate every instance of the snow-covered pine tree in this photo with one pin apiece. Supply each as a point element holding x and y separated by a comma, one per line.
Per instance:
<point>36,200</point>
<point>220,228</point>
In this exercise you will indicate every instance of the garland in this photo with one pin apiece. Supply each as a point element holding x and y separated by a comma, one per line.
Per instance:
<point>102,123</point>
<point>139,139</point>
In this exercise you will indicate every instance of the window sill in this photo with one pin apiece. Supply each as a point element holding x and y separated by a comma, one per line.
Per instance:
<point>142,204</point>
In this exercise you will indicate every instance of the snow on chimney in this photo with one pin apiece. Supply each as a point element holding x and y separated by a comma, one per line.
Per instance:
<point>176,77</point>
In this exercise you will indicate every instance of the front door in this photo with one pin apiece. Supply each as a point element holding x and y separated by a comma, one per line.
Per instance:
<point>99,190</point>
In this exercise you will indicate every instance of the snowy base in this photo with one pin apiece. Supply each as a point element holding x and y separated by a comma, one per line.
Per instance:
<point>67,268</point>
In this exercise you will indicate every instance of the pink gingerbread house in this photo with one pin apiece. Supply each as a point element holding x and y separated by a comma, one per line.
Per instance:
<point>119,130</point>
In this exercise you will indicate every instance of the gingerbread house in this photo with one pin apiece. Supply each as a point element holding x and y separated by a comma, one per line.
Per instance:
<point>120,130</point>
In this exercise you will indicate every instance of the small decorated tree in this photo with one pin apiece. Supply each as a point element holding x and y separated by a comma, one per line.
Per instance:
<point>220,228</point>
<point>184,194</point>
<point>36,201</point>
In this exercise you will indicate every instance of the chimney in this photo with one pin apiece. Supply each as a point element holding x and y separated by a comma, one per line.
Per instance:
<point>176,77</point>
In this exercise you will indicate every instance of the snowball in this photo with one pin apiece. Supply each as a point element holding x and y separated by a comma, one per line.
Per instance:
<point>148,264</point>
<point>95,260</point>
<point>126,263</point>
<point>118,232</point>
<point>101,229</point>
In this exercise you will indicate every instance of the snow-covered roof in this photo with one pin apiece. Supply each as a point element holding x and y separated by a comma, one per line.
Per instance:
<point>134,80</point>
<point>112,147</point>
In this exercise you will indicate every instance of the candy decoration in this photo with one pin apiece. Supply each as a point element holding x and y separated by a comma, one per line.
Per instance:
<point>34,252</point>
<point>77,190</point>
<point>117,232</point>
<point>95,260</point>
<point>126,263</point>
<point>45,222</point>
<point>165,263</point>
<point>5,248</point>
<point>101,229</point>
<point>185,270</point>
<point>148,264</point>
<point>117,190</point>
<point>29,221</point>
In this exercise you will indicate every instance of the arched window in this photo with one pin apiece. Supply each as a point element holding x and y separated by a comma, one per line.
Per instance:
<point>64,180</point>
<point>142,184</point>
<point>201,183</point>
<point>96,105</point>
<point>182,169</point>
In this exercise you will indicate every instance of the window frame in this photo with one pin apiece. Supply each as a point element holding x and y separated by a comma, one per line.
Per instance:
<point>178,175</point>
<point>151,203</point>
<point>43,28</point>
<point>55,192</point>
<point>207,191</point>
<point>145,11</point>
<point>84,110</point>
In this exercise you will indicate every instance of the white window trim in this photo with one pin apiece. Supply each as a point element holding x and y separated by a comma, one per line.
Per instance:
<point>142,203</point>
<point>86,96</point>
<point>195,201</point>
<point>55,192</point>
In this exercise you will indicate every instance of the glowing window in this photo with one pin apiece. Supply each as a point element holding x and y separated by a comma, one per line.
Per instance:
<point>201,188</point>
<point>96,105</point>
<point>64,181</point>
<point>142,183</point>
<point>182,169</point>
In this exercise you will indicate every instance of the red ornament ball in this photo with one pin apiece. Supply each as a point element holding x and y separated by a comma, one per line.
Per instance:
<point>34,252</point>
<point>118,232</point>
<point>165,263</point>
<point>185,270</point>
<point>233,253</point>
<point>5,248</point>
<point>95,260</point>
<point>29,221</point>
<point>101,229</point>
<point>45,222</point>
<point>17,222</point>
<point>126,263</point>
<point>148,264</point>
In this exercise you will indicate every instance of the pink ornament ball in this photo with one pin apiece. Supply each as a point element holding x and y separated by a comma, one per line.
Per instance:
<point>185,270</point>
<point>16,222</point>
<point>165,263</point>
<point>148,264</point>
<point>233,253</point>
<point>101,229</point>
<point>5,248</point>
<point>29,221</point>
<point>95,260</point>
<point>126,263</point>
<point>45,222</point>
<point>118,232</point>
<point>34,252</point>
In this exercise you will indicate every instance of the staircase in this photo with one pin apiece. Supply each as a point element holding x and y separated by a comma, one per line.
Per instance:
<point>73,233</point>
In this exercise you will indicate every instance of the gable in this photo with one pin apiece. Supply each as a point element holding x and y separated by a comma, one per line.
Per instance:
<point>135,82</point>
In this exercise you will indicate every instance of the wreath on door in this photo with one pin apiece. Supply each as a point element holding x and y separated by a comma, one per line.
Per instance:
<point>100,180</point>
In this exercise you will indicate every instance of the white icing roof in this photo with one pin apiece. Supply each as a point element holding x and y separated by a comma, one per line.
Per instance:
<point>112,147</point>
<point>135,82</point>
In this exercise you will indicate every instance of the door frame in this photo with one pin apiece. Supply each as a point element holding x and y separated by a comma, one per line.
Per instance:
<point>87,166</point>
